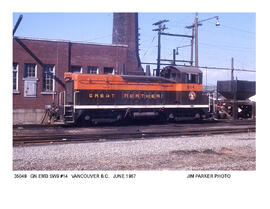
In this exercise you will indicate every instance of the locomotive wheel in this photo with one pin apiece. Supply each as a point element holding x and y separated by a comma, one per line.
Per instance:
<point>84,119</point>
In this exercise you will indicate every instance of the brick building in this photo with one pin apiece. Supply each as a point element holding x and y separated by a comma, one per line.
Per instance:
<point>39,65</point>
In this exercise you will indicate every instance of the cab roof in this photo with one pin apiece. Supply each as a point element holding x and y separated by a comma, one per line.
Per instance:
<point>184,69</point>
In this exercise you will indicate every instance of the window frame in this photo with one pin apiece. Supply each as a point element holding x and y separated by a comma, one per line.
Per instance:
<point>113,70</point>
<point>44,91</point>
<point>91,68</point>
<point>25,64</point>
<point>81,69</point>
<point>17,77</point>
<point>193,78</point>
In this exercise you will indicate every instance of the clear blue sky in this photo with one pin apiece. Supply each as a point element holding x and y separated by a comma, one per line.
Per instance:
<point>235,37</point>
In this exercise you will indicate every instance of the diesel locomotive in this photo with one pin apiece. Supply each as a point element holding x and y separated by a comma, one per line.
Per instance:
<point>174,95</point>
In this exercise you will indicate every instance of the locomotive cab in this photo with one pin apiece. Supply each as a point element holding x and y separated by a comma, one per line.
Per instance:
<point>182,74</point>
<point>189,91</point>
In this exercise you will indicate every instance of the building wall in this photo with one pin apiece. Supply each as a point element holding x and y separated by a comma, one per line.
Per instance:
<point>39,53</point>
<point>28,116</point>
<point>62,54</point>
<point>98,55</point>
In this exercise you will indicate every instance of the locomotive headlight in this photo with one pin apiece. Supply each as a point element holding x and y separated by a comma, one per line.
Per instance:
<point>192,95</point>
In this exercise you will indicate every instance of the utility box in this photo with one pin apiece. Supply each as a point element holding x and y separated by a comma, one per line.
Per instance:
<point>30,87</point>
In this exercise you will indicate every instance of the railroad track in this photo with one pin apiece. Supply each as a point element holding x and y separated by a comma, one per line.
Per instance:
<point>136,134</point>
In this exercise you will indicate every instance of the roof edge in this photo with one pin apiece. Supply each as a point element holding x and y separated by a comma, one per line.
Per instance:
<point>68,41</point>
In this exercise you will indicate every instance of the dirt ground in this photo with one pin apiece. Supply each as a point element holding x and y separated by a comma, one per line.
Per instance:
<point>217,152</point>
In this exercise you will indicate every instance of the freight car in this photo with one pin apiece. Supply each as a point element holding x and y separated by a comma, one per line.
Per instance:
<point>235,103</point>
<point>175,95</point>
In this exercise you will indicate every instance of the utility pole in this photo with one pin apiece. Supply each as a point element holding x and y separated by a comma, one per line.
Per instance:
<point>173,62</point>
<point>158,59</point>
<point>161,27</point>
<point>232,67</point>
<point>194,28</point>
<point>196,40</point>
<point>191,51</point>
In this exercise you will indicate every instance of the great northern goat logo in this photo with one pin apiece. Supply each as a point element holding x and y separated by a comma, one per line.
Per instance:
<point>192,95</point>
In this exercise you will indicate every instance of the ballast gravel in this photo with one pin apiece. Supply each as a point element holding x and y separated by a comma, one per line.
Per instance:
<point>217,152</point>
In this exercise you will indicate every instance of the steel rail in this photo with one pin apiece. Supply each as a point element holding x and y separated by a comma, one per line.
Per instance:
<point>63,138</point>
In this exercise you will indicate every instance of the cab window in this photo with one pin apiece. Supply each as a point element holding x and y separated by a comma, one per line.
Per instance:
<point>193,78</point>
<point>173,76</point>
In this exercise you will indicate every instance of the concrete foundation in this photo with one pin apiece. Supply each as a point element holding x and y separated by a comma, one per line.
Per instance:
<point>28,116</point>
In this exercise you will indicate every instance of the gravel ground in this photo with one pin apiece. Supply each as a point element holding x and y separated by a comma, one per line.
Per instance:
<point>218,152</point>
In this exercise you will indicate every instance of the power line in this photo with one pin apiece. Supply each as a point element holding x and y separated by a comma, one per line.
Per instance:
<point>149,46</point>
<point>238,29</point>
<point>223,68</point>
<point>231,47</point>
<point>204,67</point>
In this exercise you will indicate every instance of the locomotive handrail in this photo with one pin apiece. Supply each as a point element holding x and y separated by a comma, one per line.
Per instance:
<point>64,102</point>
<point>74,97</point>
<point>60,98</point>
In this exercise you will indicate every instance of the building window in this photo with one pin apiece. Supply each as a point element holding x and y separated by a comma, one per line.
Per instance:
<point>48,78</point>
<point>108,70</point>
<point>76,69</point>
<point>92,70</point>
<point>30,71</point>
<point>15,76</point>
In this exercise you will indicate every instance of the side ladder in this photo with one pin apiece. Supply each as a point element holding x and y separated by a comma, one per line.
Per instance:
<point>68,114</point>
<point>67,109</point>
